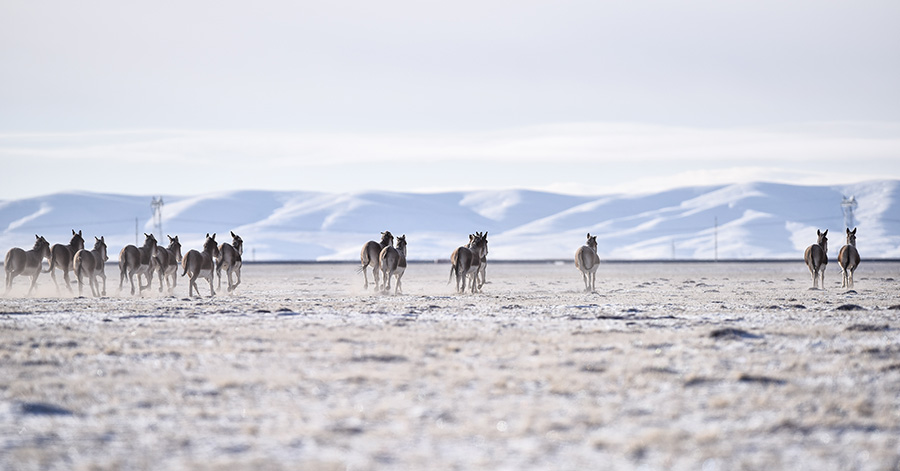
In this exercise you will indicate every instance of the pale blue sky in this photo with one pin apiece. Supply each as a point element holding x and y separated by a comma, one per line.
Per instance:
<point>581,96</point>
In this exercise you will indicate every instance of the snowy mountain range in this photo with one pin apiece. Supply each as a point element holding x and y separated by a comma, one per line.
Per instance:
<point>740,221</point>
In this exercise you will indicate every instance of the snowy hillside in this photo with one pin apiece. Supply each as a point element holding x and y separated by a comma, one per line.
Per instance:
<point>742,221</point>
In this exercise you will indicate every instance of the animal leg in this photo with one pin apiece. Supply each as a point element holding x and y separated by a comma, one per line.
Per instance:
<point>366,277</point>
<point>33,282</point>
<point>398,291</point>
<point>211,291</point>
<point>237,272</point>
<point>68,282</point>
<point>103,275</point>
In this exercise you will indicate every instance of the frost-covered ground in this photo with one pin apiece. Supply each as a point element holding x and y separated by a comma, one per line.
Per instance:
<point>677,366</point>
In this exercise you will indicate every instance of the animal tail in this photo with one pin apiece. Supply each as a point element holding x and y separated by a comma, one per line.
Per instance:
<point>452,270</point>
<point>52,264</point>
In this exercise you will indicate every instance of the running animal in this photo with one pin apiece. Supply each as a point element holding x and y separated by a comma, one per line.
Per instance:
<point>816,257</point>
<point>26,262</point>
<point>63,256</point>
<point>848,259</point>
<point>229,258</point>
<point>201,264</point>
<point>587,261</point>
<point>369,254</point>
<point>393,263</point>
<point>166,264</point>
<point>465,262</point>
<point>137,261</point>
<point>91,263</point>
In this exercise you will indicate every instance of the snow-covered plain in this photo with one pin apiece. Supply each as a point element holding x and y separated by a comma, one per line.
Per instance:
<point>741,221</point>
<point>668,366</point>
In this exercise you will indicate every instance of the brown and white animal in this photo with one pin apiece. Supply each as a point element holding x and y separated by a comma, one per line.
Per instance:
<point>393,263</point>
<point>229,258</point>
<point>481,276</point>
<point>466,261</point>
<point>26,262</point>
<point>201,264</point>
<point>848,259</point>
<point>587,261</point>
<point>137,261</point>
<point>166,264</point>
<point>369,254</point>
<point>816,257</point>
<point>63,256</point>
<point>91,263</point>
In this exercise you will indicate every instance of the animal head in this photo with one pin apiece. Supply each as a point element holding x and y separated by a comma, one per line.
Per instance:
<point>477,243</point>
<point>175,247</point>
<point>100,247</point>
<point>822,239</point>
<point>77,241</point>
<point>851,237</point>
<point>592,241</point>
<point>387,239</point>
<point>210,245</point>
<point>150,243</point>
<point>237,243</point>
<point>401,244</point>
<point>42,246</point>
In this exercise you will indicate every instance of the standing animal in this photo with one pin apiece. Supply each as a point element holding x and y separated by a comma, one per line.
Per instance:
<point>369,254</point>
<point>166,264</point>
<point>137,261</point>
<point>91,263</point>
<point>26,262</point>
<point>587,261</point>
<point>466,261</point>
<point>481,276</point>
<point>848,259</point>
<point>229,258</point>
<point>393,263</point>
<point>201,264</point>
<point>816,257</point>
<point>63,256</point>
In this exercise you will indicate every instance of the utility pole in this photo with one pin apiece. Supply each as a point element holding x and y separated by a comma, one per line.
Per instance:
<point>848,205</point>
<point>156,205</point>
<point>716,239</point>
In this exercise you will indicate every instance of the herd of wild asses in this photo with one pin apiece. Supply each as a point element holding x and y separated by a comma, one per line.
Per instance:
<point>134,262</point>
<point>468,263</point>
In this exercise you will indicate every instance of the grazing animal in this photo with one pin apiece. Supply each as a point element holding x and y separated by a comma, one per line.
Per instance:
<point>587,261</point>
<point>466,261</point>
<point>90,264</point>
<point>26,262</point>
<point>393,263</point>
<point>229,258</point>
<point>201,264</point>
<point>816,257</point>
<point>848,259</point>
<point>63,256</point>
<point>137,261</point>
<point>369,254</point>
<point>166,264</point>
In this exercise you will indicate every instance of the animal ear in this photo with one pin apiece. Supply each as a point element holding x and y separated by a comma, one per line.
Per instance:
<point>825,233</point>
<point>854,230</point>
<point>232,234</point>
<point>37,237</point>
<point>213,236</point>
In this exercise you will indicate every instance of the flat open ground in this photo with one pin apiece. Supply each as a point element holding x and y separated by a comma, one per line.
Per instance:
<point>680,366</point>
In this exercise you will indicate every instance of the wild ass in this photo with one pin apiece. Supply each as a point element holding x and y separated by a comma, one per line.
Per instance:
<point>201,264</point>
<point>137,261</point>
<point>481,276</point>
<point>848,259</point>
<point>166,264</point>
<point>587,261</point>
<point>229,258</point>
<point>466,261</point>
<point>26,262</point>
<point>91,263</point>
<point>816,257</point>
<point>63,256</point>
<point>369,254</point>
<point>393,263</point>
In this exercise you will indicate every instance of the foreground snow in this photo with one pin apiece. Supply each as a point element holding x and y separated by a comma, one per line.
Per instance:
<point>677,366</point>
